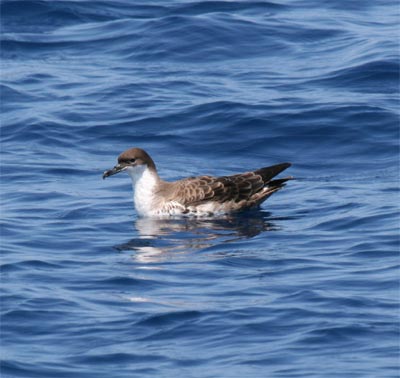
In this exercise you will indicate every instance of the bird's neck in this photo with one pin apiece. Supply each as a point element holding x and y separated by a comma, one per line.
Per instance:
<point>145,182</point>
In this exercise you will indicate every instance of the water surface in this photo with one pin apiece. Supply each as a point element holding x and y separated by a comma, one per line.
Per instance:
<point>306,287</point>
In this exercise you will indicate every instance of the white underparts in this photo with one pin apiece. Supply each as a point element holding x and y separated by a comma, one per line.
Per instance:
<point>144,183</point>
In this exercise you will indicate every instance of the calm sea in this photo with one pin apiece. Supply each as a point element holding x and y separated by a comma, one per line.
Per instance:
<point>306,287</point>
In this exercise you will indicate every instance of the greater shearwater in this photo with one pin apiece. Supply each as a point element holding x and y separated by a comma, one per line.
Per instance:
<point>202,195</point>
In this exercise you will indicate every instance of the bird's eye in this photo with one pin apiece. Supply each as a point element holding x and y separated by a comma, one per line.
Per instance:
<point>132,160</point>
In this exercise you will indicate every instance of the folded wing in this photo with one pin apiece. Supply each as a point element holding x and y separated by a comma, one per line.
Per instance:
<point>250,188</point>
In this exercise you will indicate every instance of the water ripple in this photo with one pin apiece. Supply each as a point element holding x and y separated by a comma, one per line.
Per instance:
<point>207,87</point>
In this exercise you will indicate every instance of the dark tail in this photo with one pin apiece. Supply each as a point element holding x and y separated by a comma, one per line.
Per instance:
<point>268,173</point>
<point>270,188</point>
<point>279,183</point>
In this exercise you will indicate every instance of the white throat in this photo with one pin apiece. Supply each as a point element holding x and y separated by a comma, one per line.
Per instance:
<point>144,182</point>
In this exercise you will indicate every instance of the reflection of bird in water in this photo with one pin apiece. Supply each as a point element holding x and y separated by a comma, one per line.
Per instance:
<point>158,238</point>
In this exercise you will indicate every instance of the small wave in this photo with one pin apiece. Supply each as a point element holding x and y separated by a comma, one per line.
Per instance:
<point>366,77</point>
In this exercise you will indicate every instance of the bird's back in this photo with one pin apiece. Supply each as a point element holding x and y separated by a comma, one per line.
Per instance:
<point>209,194</point>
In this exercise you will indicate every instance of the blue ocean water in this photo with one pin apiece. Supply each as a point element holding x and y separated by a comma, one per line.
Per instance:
<point>306,287</point>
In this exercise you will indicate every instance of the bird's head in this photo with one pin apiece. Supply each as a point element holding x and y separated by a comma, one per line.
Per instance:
<point>134,161</point>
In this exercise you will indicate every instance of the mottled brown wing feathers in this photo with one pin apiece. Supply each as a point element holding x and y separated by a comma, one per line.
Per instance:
<point>196,190</point>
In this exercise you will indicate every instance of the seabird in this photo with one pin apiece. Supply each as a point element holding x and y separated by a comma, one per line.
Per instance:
<point>202,195</point>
